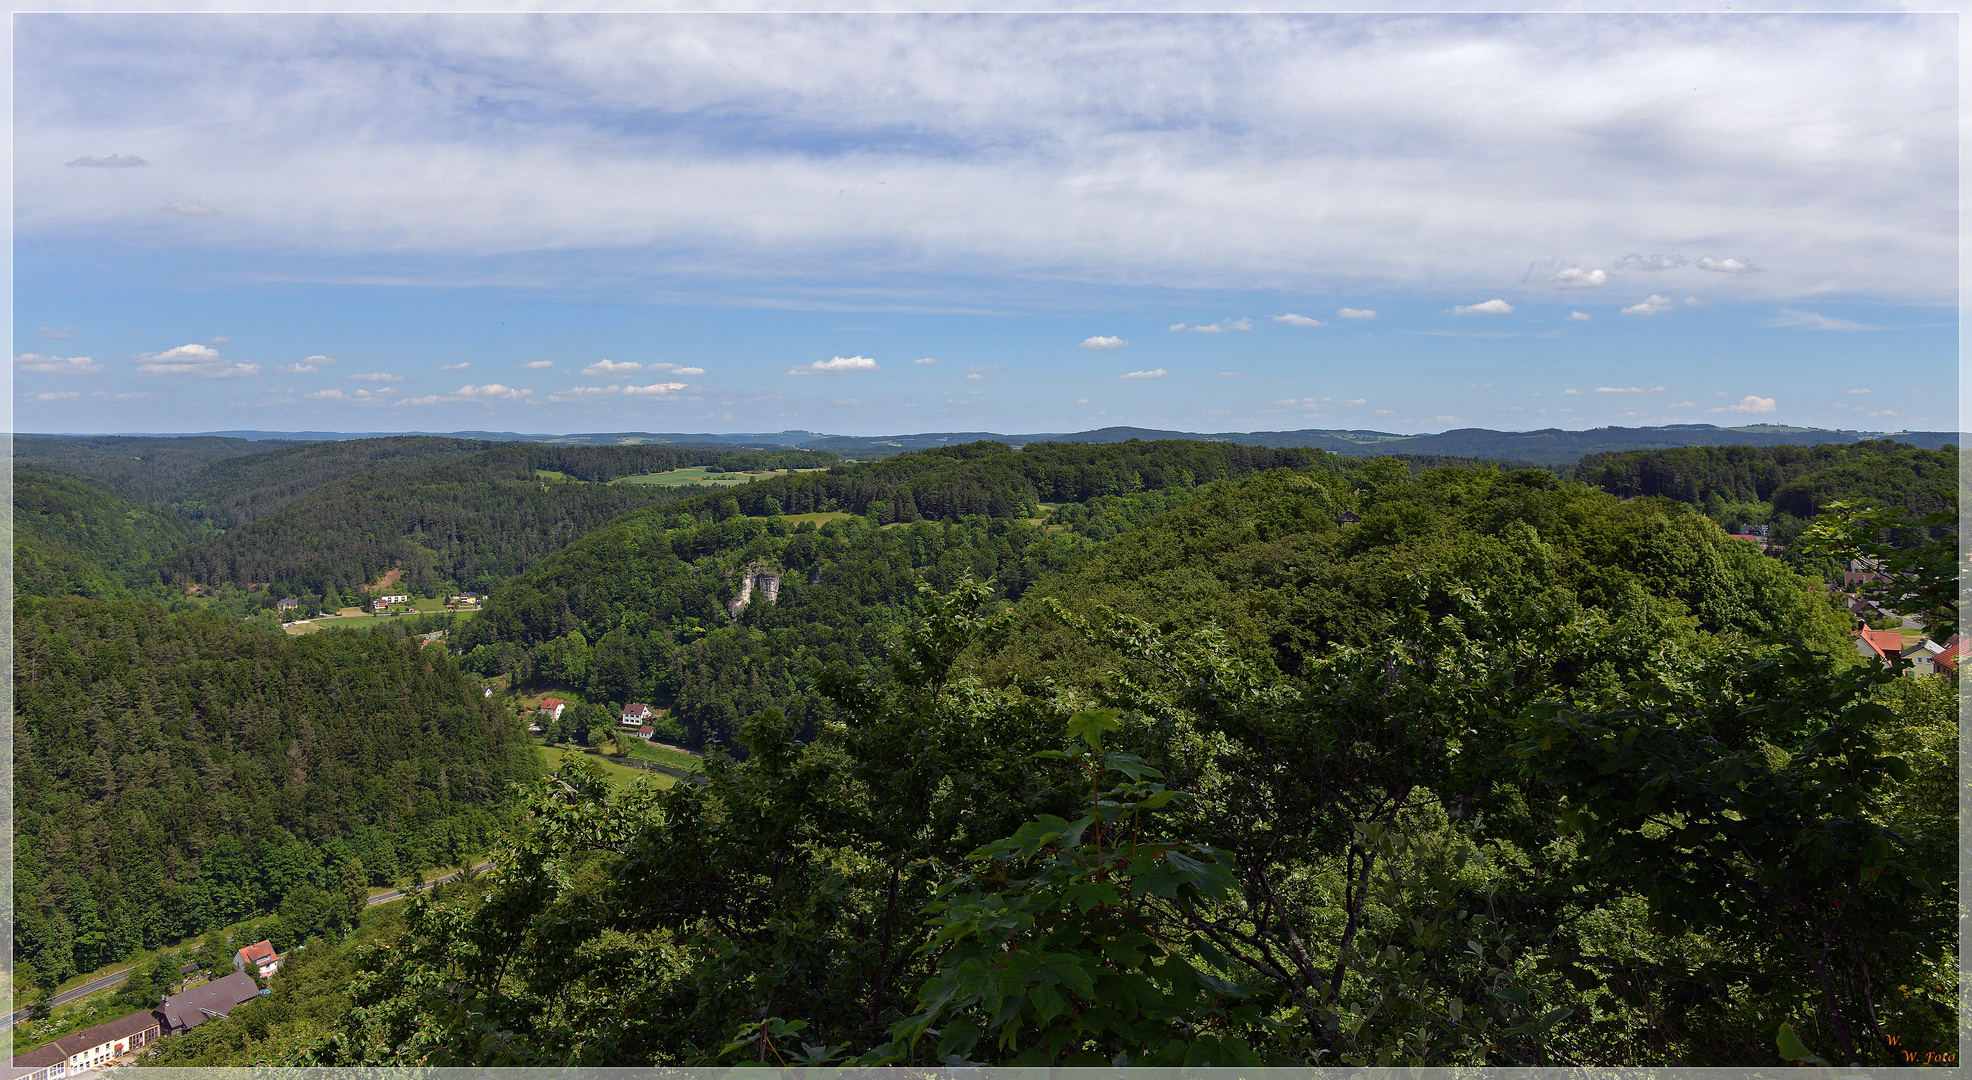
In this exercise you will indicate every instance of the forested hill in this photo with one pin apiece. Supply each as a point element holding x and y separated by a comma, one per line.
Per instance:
<point>638,610</point>
<point>992,479</point>
<point>465,522</point>
<point>71,536</point>
<point>1339,764</point>
<point>146,469</point>
<point>1781,486</point>
<point>178,772</point>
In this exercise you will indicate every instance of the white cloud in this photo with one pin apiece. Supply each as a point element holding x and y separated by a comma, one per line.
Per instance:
<point>1081,401</point>
<point>975,375</point>
<point>1229,375</point>
<point>1682,405</point>
<point>655,389</point>
<point>1104,343</point>
<point>113,161</point>
<point>1292,319</point>
<point>1885,412</point>
<point>57,395</point>
<point>836,364</point>
<point>1485,307</point>
<point>1574,277</point>
<point>373,376</point>
<point>1156,374</point>
<point>1175,326</point>
<point>1238,324</point>
<point>1726,266</point>
<point>1859,390</point>
<point>1356,313</point>
<point>56,333</point>
<point>328,395</point>
<point>1692,301</point>
<point>1748,404</point>
<point>1444,419</point>
<point>198,360</point>
<point>537,365</point>
<point>1650,262</point>
<point>56,365</point>
<point>1209,328</point>
<point>1808,320</point>
<point>925,360</point>
<point>428,399</point>
<point>1651,305</point>
<point>187,209</point>
<point>606,368</point>
<point>1629,390</point>
<point>223,341</point>
<point>460,366</point>
<point>1571,391</point>
<point>1578,316</point>
<point>490,392</point>
<point>1048,153</point>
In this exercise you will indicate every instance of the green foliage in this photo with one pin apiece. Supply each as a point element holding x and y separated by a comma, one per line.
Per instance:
<point>1919,554</point>
<point>71,537</point>
<point>179,772</point>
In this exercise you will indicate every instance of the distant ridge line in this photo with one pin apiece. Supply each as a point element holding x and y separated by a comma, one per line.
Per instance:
<point>1546,446</point>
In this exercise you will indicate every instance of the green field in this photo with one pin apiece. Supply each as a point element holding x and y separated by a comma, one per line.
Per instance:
<point>552,757</point>
<point>677,759</point>
<point>820,519</point>
<point>696,476</point>
<point>366,623</point>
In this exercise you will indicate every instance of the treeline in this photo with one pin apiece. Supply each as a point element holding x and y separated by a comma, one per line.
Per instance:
<point>991,479</point>
<point>178,772</point>
<point>152,470</point>
<point>1508,772</point>
<point>1783,487</point>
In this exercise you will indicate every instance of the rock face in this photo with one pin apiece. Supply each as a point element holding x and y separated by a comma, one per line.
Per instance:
<point>757,577</point>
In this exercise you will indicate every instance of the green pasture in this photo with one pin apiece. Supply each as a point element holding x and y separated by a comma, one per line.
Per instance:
<point>553,756</point>
<point>696,476</point>
<point>819,520</point>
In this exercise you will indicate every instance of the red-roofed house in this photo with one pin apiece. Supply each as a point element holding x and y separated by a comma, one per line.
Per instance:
<point>1947,659</point>
<point>1883,645</point>
<point>553,706</point>
<point>260,956</point>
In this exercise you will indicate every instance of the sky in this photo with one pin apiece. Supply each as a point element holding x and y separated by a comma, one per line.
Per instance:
<point>885,224</point>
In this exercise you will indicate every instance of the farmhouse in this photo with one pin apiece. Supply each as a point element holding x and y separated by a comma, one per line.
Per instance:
<point>260,956</point>
<point>553,707</point>
<point>634,714</point>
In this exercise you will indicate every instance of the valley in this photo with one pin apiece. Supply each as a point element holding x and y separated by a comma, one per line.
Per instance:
<point>753,720</point>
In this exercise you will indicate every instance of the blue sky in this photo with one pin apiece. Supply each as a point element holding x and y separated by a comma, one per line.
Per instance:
<point>882,224</point>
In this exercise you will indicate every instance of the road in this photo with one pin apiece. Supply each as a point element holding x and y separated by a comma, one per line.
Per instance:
<point>116,978</point>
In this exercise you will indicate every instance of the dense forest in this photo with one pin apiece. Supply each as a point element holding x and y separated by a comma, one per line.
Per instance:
<point>179,772</point>
<point>321,520</point>
<point>1508,771</point>
<point>1168,753</point>
<point>1782,487</point>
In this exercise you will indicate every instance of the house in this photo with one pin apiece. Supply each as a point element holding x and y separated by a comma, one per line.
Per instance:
<point>90,1048</point>
<point>646,732</point>
<point>290,604</point>
<point>260,956</point>
<point>466,598</point>
<point>183,1012</point>
<point>553,707</point>
<point>1883,645</point>
<point>1752,538</point>
<point>1923,657</point>
<point>634,714</point>
<point>1946,662</point>
<point>1864,572</point>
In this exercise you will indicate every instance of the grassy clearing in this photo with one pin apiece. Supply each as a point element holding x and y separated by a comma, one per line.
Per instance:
<point>663,755</point>
<point>550,474</point>
<point>819,520</point>
<point>696,476</point>
<point>365,623</point>
<point>553,756</point>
